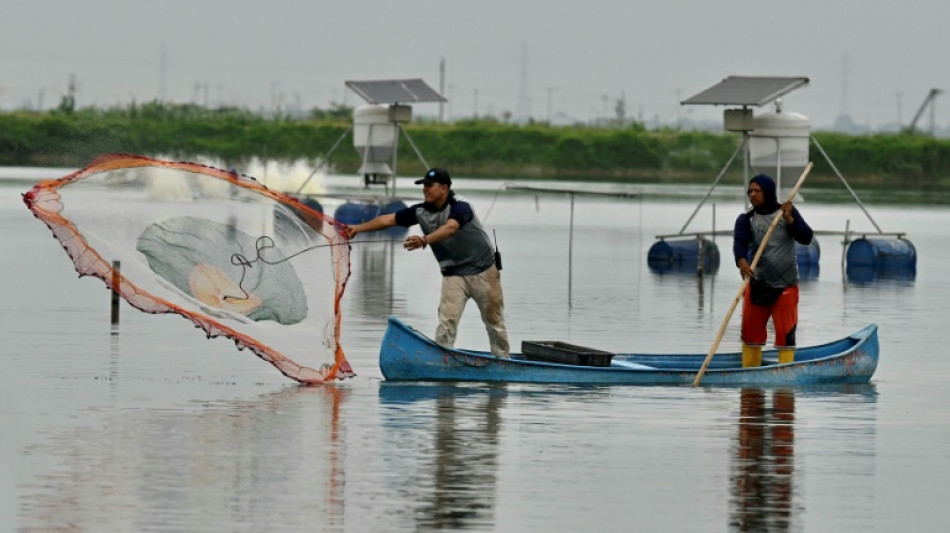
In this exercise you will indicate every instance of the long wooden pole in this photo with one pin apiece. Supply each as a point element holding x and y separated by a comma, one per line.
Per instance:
<point>745,282</point>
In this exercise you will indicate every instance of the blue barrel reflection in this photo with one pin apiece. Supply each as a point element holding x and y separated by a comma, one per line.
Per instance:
<point>881,258</point>
<point>685,255</point>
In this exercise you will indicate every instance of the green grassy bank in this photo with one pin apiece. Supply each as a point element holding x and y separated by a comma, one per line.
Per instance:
<point>72,138</point>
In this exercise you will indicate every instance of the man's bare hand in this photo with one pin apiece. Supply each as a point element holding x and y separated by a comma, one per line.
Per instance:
<point>787,212</point>
<point>744,269</point>
<point>414,242</point>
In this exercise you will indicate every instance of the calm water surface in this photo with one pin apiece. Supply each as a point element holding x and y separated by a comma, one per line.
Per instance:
<point>158,429</point>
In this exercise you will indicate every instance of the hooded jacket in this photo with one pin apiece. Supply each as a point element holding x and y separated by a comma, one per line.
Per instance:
<point>778,266</point>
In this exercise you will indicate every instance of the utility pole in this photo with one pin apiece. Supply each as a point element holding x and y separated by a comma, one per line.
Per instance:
<point>523,107</point>
<point>899,125</point>
<point>161,74</point>
<point>844,85</point>
<point>550,91</point>
<point>442,89</point>
<point>450,99</point>
<point>620,109</point>
<point>678,108</point>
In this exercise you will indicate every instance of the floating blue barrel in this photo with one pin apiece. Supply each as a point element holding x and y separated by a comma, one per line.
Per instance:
<point>369,212</point>
<point>349,213</point>
<point>888,253</point>
<point>392,206</point>
<point>808,272</point>
<point>808,254</point>
<point>394,232</point>
<point>881,258</point>
<point>284,221</point>
<point>312,203</point>
<point>684,255</point>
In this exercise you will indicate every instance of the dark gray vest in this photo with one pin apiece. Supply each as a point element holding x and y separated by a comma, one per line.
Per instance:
<point>466,253</point>
<point>778,266</point>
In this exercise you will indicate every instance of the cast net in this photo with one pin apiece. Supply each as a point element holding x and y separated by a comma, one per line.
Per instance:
<point>213,246</point>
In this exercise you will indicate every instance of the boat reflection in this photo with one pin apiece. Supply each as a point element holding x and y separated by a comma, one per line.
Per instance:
<point>459,473</point>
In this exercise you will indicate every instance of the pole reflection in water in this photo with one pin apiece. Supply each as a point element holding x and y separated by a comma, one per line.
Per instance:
<point>456,475</point>
<point>762,473</point>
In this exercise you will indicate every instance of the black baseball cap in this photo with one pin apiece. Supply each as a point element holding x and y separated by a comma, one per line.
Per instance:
<point>436,175</point>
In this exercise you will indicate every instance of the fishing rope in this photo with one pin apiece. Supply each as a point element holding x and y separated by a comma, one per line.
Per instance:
<point>263,243</point>
<point>492,204</point>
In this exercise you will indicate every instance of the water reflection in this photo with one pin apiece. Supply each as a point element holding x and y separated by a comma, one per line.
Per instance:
<point>762,481</point>
<point>869,274</point>
<point>458,481</point>
<point>765,487</point>
<point>686,282</point>
<point>268,462</point>
<point>375,271</point>
<point>808,271</point>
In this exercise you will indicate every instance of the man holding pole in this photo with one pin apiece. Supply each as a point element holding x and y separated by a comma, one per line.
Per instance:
<point>773,285</point>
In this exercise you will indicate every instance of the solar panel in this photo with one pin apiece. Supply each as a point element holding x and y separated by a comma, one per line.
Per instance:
<point>395,91</point>
<point>747,90</point>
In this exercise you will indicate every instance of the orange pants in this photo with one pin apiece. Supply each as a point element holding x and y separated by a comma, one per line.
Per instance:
<point>784,314</point>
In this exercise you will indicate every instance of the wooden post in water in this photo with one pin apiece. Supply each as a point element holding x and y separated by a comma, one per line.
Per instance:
<point>844,249</point>
<point>115,293</point>
<point>570,253</point>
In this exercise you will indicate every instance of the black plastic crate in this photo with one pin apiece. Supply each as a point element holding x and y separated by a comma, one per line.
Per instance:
<point>562,352</point>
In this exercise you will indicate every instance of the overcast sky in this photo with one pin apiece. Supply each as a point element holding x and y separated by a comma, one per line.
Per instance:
<point>873,59</point>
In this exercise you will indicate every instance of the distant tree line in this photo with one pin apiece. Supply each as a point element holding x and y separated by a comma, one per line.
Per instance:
<point>68,137</point>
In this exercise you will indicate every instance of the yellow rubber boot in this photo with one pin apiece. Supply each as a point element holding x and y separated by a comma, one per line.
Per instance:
<point>786,356</point>
<point>751,355</point>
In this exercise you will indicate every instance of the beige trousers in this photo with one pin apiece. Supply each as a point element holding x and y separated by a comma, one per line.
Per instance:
<point>485,289</point>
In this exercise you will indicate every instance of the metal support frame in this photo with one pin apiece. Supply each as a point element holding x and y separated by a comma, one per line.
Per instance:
<point>399,129</point>
<point>850,190</point>
<point>716,181</point>
<point>326,158</point>
<point>413,145</point>
<point>744,147</point>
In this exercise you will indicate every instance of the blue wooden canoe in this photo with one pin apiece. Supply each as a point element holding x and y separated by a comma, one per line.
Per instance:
<point>407,355</point>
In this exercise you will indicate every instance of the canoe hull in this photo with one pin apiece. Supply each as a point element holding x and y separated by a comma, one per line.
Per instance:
<point>406,355</point>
